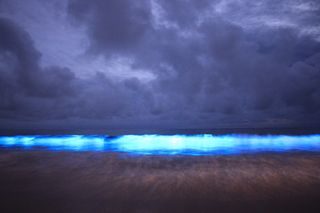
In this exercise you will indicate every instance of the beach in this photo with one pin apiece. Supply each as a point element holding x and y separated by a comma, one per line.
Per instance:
<point>58,181</point>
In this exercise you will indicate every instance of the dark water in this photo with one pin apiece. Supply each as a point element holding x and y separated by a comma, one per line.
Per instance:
<point>205,144</point>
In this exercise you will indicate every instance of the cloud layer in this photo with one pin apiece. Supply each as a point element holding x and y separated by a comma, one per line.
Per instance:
<point>188,63</point>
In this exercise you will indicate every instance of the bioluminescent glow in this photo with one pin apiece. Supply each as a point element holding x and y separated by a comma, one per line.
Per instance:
<point>168,144</point>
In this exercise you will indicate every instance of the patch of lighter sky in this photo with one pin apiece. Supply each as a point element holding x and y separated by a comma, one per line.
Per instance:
<point>158,20</point>
<point>304,6</point>
<point>254,15</point>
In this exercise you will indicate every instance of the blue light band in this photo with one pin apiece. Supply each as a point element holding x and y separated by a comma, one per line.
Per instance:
<point>168,144</point>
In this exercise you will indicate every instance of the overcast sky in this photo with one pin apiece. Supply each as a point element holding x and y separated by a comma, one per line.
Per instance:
<point>159,63</point>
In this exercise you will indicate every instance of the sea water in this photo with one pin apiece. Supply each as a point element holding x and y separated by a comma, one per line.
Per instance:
<point>205,144</point>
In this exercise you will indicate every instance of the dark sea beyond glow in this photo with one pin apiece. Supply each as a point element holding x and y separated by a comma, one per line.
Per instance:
<point>205,144</point>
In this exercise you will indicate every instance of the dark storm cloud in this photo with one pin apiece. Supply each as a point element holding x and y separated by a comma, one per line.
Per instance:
<point>213,65</point>
<point>114,25</point>
<point>29,91</point>
<point>219,67</point>
<point>22,80</point>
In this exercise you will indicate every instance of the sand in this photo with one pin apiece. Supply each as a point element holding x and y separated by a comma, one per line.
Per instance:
<point>52,181</point>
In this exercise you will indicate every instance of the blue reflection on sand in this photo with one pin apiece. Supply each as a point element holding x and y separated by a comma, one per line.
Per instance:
<point>168,144</point>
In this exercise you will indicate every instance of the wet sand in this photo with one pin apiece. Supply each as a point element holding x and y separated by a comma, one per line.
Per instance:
<point>49,181</point>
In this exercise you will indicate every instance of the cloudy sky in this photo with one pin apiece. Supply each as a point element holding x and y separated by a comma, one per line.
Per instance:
<point>160,64</point>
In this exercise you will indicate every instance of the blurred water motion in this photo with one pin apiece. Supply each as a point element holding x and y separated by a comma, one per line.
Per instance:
<point>168,144</point>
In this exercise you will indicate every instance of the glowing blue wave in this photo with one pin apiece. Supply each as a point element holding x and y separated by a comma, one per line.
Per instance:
<point>168,144</point>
